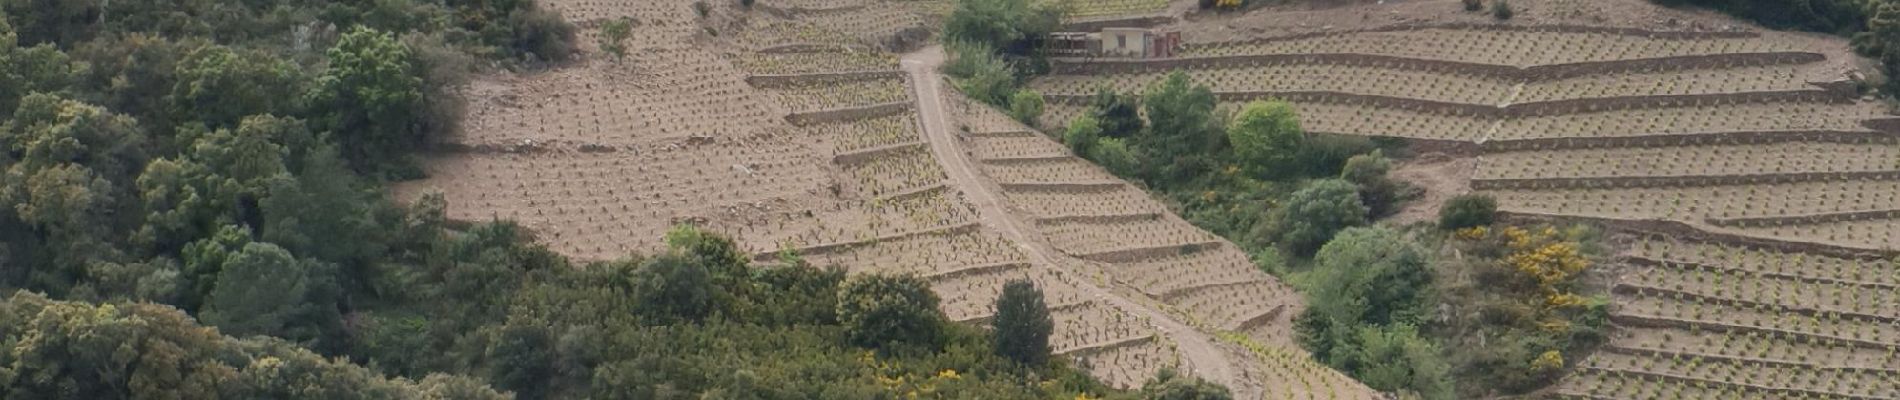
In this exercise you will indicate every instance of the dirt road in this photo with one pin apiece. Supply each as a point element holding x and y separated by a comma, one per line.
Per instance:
<point>1201,355</point>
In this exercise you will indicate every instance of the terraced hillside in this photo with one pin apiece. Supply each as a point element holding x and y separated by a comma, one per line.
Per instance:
<point>1094,224</point>
<point>790,130</point>
<point>1763,187</point>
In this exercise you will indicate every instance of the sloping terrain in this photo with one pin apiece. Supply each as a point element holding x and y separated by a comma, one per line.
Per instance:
<point>1760,185</point>
<point>787,128</point>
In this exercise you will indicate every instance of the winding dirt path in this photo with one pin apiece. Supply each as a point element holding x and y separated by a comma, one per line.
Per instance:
<point>1200,353</point>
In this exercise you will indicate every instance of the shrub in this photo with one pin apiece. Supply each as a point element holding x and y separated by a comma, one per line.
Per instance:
<point>1026,106</point>
<point>1368,171</point>
<point>882,311</point>
<point>541,34</point>
<point>1312,215</point>
<point>1468,210</point>
<point>980,74</point>
<point>1082,135</point>
<point>1474,5</point>
<point>1501,9</point>
<point>1206,4</point>
<point>1113,154</point>
<point>613,36</point>
<point>747,3</point>
<point>701,8</point>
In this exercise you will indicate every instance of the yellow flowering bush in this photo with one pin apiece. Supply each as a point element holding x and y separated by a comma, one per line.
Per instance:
<point>1549,259</point>
<point>1549,361</point>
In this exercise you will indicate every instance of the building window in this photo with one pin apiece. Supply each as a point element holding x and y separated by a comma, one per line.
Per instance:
<point>1121,42</point>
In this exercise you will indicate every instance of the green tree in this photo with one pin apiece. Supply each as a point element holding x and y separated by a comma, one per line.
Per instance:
<point>1367,288</point>
<point>35,69</point>
<point>886,312</point>
<point>1467,210</point>
<point>1371,275</point>
<point>674,288</point>
<point>1015,27</point>
<point>263,290</point>
<point>220,181</point>
<point>371,96</point>
<point>204,261</point>
<point>112,351</point>
<point>980,74</point>
<point>520,360</point>
<point>324,213</point>
<point>1181,114</point>
<point>60,22</point>
<point>1022,324</point>
<point>219,86</point>
<point>66,166</point>
<point>1026,106</point>
<point>1313,214</point>
<point>1182,136</point>
<point>1267,137</point>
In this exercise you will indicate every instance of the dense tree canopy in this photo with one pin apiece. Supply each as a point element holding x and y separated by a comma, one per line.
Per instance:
<point>1311,216</point>
<point>1014,27</point>
<point>79,350</point>
<point>889,311</point>
<point>1267,138</point>
<point>1367,289</point>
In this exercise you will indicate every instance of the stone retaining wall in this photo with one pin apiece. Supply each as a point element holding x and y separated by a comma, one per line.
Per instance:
<point>1099,219</point>
<point>829,247</point>
<point>1811,219</point>
<point>1492,112</point>
<point>1146,253</point>
<point>974,270</point>
<point>1561,28</point>
<point>811,48</point>
<point>861,156</point>
<point>1655,322</point>
<point>1148,21</point>
<point>1680,231</point>
<point>1508,73</point>
<point>1678,181</point>
<point>1715,138</point>
<point>1810,312</point>
<point>1104,185</point>
<point>1653,263</point>
<point>848,114</point>
<point>773,81</point>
